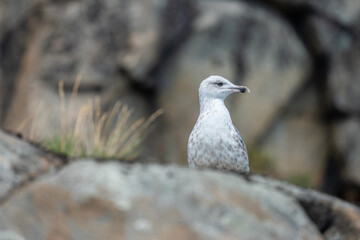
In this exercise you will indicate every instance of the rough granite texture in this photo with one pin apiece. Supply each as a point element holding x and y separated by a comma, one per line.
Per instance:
<point>20,161</point>
<point>89,200</point>
<point>86,199</point>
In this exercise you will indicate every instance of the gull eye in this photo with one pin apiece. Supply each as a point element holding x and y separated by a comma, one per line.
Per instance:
<point>219,84</point>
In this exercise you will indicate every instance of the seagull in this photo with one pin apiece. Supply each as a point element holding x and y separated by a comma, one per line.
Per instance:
<point>214,141</point>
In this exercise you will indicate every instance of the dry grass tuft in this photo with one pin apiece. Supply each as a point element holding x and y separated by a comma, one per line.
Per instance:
<point>98,134</point>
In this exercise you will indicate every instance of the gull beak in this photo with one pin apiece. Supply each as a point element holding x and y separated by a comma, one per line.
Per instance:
<point>242,89</point>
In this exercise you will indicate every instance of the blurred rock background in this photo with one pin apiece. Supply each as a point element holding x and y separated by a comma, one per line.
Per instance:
<point>300,58</point>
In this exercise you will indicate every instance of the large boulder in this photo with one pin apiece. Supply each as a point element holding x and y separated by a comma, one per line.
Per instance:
<point>92,200</point>
<point>88,199</point>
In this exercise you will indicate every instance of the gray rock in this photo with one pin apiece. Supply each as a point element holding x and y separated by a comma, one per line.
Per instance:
<point>154,27</point>
<point>344,80</point>
<point>347,142</point>
<point>335,218</point>
<point>89,200</point>
<point>332,31</point>
<point>86,199</point>
<point>21,162</point>
<point>296,145</point>
<point>327,37</point>
<point>9,235</point>
<point>13,13</point>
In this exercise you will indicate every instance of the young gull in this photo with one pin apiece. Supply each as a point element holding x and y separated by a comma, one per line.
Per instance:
<point>214,141</point>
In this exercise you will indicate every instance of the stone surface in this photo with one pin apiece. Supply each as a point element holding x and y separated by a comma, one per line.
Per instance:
<point>347,142</point>
<point>335,218</point>
<point>339,48</point>
<point>89,200</point>
<point>296,144</point>
<point>234,40</point>
<point>327,37</point>
<point>13,13</point>
<point>20,162</point>
<point>344,80</point>
<point>333,34</point>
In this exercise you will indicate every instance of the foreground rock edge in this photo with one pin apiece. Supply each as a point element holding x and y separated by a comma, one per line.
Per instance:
<point>23,161</point>
<point>330,215</point>
<point>204,204</point>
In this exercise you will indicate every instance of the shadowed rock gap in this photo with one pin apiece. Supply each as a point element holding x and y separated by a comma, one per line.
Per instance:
<point>177,20</point>
<point>319,213</point>
<point>330,215</point>
<point>350,190</point>
<point>12,49</point>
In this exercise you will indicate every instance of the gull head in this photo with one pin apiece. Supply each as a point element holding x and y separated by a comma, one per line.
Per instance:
<point>219,87</point>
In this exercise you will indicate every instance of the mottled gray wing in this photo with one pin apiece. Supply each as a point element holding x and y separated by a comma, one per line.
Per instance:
<point>241,140</point>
